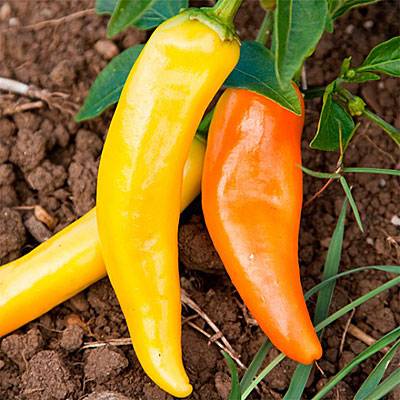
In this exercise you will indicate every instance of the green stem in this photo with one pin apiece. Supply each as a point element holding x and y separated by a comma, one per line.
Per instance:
<point>265,28</point>
<point>392,131</point>
<point>226,10</point>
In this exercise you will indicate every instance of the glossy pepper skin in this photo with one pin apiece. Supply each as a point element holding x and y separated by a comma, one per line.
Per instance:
<point>70,261</point>
<point>138,194</point>
<point>252,197</point>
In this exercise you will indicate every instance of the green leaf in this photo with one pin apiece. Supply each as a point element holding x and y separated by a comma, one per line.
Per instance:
<point>298,27</point>
<point>108,85</point>
<point>383,171</point>
<point>338,8</point>
<point>105,6</point>
<point>331,267</point>
<point>255,71</point>
<point>235,389</point>
<point>126,13</point>
<point>255,365</point>
<point>158,12</point>
<point>368,352</point>
<point>392,381</point>
<point>360,77</point>
<point>353,204</point>
<point>376,375</point>
<point>384,58</point>
<point>333,120</point>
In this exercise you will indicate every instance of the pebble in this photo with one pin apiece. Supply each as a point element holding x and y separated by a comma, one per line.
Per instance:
<point>13,22</point>
<point>2,363</point>
<point>106,48</point>
<point>395,220</point>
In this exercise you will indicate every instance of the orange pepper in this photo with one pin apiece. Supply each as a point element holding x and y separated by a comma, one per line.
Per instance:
<point>252,199</point>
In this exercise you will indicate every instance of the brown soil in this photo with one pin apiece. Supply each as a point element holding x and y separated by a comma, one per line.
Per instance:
<point>47,159</point>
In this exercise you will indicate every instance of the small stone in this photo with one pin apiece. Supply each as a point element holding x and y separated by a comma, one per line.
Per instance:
<point>349,29</point>
<point>13,22</point>
<point>2,364</point>
<point>72,338</point>
<point>368,24</point>
<point>106,48</point>
<point>382,182</point>
<point>37,229</point>
<point>5,12</point>
<point>370,241</point>
<point>395,220</point>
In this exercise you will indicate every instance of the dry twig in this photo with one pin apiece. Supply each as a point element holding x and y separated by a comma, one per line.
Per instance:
<point>363,337</point>
<point>52,22</point>
<point>57,100</point>
<point>346,328</point>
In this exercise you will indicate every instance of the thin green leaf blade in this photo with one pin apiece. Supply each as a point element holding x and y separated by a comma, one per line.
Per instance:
<point>384,58</point>
<point>331,267</point>
<point>334,122</point>
<point>126,13</point>
<point>362,170</point>
<point>255,71</point>
<point>368,352</point>
<point>298,27</point>
<point>105,6</point>
<point>235,389</point>
<point>362,299</point>
<point>352,202</point>
<point>108,85</point>
<point>391,382</point>
<point>321,175</point>
<point>255,365</point>
<point>370,384</point>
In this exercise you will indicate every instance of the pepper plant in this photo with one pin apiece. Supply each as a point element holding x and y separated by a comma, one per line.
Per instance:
<point>268,66</point>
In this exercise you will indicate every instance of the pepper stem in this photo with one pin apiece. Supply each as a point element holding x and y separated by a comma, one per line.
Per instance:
<point>265,28</point>
<point>226,10</point>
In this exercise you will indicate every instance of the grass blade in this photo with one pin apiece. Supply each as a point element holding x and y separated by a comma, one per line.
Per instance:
<point>383,171</point>
<point>321,175</point>
<point>331,267</point>
<point>353,204</point>
<point>386,386</point>
<point>368,352</point>
<point>255,365</point>
<point>394,269</point>
<point>263,374</point>
<point>344,310</point>
<point>370,384</point>
<point>235,387</point>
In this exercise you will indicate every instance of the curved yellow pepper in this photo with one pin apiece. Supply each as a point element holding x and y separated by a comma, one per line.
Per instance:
<point>176,76</point>
<point>70,261</point>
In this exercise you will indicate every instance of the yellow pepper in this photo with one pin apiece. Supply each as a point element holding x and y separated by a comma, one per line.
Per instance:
<point>177,74</point>
<point>70,261</point>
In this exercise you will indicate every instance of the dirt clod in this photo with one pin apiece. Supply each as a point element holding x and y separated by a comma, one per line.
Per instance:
<point>105,396</point>
<point>72,338</point>
<point>46,378</point>
<point>20,348</point>
<point>195,247</point>
<point>104,363</point>
<point>106,48</point>
<point>12,234</point>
